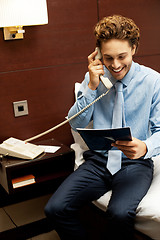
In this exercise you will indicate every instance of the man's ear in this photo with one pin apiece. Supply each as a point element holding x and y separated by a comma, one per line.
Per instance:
<point>134,48</point>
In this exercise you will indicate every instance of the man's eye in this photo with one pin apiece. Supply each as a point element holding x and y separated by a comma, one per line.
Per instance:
<point>121,57</point>
<point>108,59</point>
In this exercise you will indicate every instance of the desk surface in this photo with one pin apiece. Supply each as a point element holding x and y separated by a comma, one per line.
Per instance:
<point>11,161</point>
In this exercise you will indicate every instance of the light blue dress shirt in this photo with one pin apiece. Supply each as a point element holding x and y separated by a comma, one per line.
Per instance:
<point>141,90</point>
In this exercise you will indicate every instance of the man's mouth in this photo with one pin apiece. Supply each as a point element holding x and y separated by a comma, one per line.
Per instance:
<point>117,70</point>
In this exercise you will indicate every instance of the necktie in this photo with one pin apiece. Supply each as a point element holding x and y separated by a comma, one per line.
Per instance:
<point>115,156</point>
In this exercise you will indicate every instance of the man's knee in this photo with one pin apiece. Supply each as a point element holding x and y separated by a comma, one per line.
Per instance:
<point>53,208</point>
<point>120,216</point>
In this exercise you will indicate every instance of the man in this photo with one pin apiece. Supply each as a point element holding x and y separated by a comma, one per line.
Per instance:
<point>118,38</point>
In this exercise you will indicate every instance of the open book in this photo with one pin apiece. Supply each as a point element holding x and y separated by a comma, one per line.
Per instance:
<point>101,139</point>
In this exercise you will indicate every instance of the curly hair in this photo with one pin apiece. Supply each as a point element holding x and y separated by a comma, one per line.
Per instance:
<point>117,27</point>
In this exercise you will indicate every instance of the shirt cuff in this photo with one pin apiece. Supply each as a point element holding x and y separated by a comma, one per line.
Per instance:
<point>150,149</point>
<point>89,93</point>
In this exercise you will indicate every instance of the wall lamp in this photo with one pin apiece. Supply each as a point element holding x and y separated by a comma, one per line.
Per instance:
<point>14,14</point>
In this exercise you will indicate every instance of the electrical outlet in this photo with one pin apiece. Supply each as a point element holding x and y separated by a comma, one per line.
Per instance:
<point>20,108</point>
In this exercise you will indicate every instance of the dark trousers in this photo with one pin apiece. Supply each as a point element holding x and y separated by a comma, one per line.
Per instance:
<point>90,181</point>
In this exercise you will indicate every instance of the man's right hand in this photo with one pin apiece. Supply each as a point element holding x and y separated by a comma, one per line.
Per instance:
<point>95,68</point>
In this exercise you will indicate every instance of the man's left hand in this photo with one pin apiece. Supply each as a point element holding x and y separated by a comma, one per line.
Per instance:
<point>132,149</point>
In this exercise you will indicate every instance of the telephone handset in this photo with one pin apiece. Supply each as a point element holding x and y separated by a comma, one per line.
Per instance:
<point>107,83</point>
<point>22,149</point>
<point>99,54</point>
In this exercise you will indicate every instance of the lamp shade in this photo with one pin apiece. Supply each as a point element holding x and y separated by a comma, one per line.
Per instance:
<point>23,12</point>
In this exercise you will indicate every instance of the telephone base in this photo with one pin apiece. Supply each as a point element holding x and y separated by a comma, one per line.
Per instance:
<point>20,149</point>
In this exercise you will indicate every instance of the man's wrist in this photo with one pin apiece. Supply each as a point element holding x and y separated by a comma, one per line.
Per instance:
<point>91,86</point>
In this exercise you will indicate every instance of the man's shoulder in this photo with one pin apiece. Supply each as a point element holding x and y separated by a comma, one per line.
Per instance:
<point>146,70</point>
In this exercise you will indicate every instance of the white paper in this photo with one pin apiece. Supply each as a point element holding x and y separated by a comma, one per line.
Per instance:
<point>50,149</point>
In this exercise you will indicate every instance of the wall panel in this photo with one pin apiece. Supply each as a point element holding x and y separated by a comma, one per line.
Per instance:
<point>43,67</point>
<point>64,40</point>
<point>49,92</point>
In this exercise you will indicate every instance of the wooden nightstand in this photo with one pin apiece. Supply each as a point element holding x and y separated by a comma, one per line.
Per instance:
<point>47,167</point>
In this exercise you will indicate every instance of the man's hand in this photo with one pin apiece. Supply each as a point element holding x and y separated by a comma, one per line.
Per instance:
<point>95,68</point>
<point>132,149</point>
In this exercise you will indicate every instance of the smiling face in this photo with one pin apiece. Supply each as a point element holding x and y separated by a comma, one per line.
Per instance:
<point>117,57</point>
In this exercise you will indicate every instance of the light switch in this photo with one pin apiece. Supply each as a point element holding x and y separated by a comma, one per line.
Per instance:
<point>20,108</point>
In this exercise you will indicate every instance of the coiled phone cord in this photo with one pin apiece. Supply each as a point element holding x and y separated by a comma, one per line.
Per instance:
<point>67,120</point>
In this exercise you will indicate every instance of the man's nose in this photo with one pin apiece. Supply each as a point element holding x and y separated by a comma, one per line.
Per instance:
<point>115,64</point>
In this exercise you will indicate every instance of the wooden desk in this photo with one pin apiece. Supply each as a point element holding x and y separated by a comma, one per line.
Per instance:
<point>46,167</point>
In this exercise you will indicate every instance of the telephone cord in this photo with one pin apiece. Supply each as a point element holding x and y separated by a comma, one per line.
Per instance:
<point>67,120</point>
